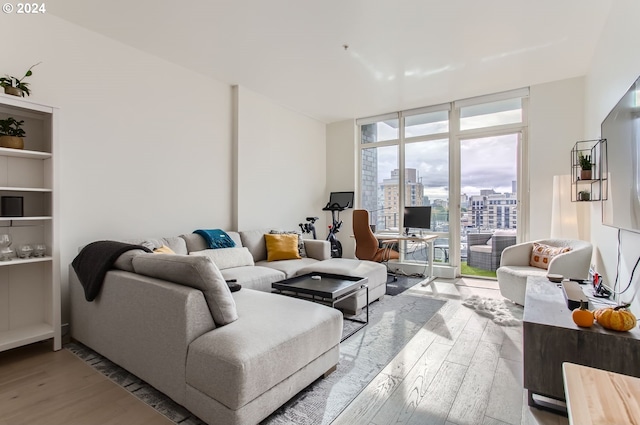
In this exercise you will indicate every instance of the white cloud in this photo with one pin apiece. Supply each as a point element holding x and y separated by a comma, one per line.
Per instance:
<point>487,163</point>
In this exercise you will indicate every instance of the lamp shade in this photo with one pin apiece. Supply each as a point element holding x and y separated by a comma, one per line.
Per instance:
<point>568,219</point>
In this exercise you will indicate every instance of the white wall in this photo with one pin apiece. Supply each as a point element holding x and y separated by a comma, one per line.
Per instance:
<point>341,177</point>
<point>615,67</point>
<point>281,168</point>
<point>556,122</point>
<point>144,145</point>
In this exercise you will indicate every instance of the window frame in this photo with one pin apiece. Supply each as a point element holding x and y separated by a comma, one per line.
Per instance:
<point>455,136</point>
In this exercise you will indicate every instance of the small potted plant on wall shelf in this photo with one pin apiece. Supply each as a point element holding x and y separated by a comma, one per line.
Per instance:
<point>585,166</point>
<point>11,134</point>
<point>584,195</point>
<point>17,86</point>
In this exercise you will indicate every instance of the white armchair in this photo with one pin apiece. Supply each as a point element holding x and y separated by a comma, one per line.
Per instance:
<point>514,265</point>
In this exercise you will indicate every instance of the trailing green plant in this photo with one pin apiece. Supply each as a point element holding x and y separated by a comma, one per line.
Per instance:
<point>11,127</point>
<point>585,161</point>
<point>11,81</point>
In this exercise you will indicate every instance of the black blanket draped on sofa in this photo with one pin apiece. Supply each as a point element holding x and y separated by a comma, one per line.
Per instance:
<point>95,260</point>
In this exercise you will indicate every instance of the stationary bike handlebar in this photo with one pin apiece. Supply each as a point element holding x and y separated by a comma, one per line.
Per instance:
<point>309,227</point>
<point>335,207</point>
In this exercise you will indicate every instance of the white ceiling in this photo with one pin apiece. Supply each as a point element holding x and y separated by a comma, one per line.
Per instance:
<point>402,53</point>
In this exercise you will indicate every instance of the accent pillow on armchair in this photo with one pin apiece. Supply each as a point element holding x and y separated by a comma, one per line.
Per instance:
<point>541,254</point>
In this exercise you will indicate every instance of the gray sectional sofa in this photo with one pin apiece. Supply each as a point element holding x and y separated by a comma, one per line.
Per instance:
<point>230,358</point>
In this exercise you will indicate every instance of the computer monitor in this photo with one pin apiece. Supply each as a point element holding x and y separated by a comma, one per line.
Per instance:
<point>340,200</point>
<point>417,218</point>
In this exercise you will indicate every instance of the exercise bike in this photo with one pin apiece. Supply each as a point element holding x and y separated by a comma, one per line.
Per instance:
<point>338,201</point>
<point>334,228</point>
<point>334,243</point>
<point>309,227</point>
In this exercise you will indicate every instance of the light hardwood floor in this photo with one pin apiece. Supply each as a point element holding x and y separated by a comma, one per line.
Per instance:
<point>41,387</point>
<point>460,369</point>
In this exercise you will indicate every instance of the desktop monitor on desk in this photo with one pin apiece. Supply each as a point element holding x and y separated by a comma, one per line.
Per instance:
<point>417,218</point>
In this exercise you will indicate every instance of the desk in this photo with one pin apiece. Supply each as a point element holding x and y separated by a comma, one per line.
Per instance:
<point>426,239</point>
<point>598,397</point>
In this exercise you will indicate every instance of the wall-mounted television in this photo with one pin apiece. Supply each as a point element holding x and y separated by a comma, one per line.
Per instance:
<point>621,129</point>
<point>417,217</point>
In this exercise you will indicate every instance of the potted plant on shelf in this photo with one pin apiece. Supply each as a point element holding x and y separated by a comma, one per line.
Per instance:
<point>584,195</point>
<point>11,134</point>
<point>585,165</point>
<point>17,86</point>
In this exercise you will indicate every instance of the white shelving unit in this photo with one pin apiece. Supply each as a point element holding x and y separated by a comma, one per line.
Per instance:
<point>30,288</point>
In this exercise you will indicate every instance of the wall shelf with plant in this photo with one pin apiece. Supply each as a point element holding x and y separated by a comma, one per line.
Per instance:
<point>589,170</point>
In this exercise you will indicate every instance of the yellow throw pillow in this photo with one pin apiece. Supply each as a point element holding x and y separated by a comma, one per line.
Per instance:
<point>281,247</point>
<point>163,250</point>
<point>542,254</point>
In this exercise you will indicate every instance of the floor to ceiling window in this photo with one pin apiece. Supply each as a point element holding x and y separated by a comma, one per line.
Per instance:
<point>463,160</point>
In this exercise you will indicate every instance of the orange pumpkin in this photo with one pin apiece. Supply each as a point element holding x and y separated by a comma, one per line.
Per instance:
<point>616,318</point>
<point>582,317</point>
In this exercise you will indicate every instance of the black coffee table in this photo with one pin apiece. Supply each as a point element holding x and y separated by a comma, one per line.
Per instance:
<point>328,290</point>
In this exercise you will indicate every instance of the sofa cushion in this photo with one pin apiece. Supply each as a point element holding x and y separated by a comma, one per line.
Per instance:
<point>541,254</point>
<point>375,272</point>
<point>254,277</point>
<point>124,261</point>
<point>289,267</point>
<point>282,247</point>
<point>163,250</point>
<point>481,248</point>
<point>274,337</point>
<point>216,238</point>
<point>197,272</point>
<point>226,258</point>
<point>195,242</point>
<point>254,241</point>
<point>176,243</point>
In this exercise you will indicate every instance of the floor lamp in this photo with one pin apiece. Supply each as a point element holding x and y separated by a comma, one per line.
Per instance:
<point>569,220</point>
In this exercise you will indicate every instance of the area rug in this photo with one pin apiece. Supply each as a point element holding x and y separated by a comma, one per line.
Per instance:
<point>502,312</point>
<point>392,323</point>
<point>135,385</point>
<point>401,284</point>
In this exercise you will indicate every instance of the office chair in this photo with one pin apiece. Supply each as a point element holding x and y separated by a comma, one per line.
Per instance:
<point>367,246</point>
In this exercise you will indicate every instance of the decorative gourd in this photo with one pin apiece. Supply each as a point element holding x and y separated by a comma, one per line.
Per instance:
<point>582,317</point>
<point>616,318</point>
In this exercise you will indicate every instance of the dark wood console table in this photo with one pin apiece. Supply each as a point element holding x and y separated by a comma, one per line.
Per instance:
<point>550,338</point>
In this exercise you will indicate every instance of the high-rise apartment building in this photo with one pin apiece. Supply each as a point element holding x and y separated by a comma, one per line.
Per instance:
<point>493,211</point>
<point>414,194</point>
